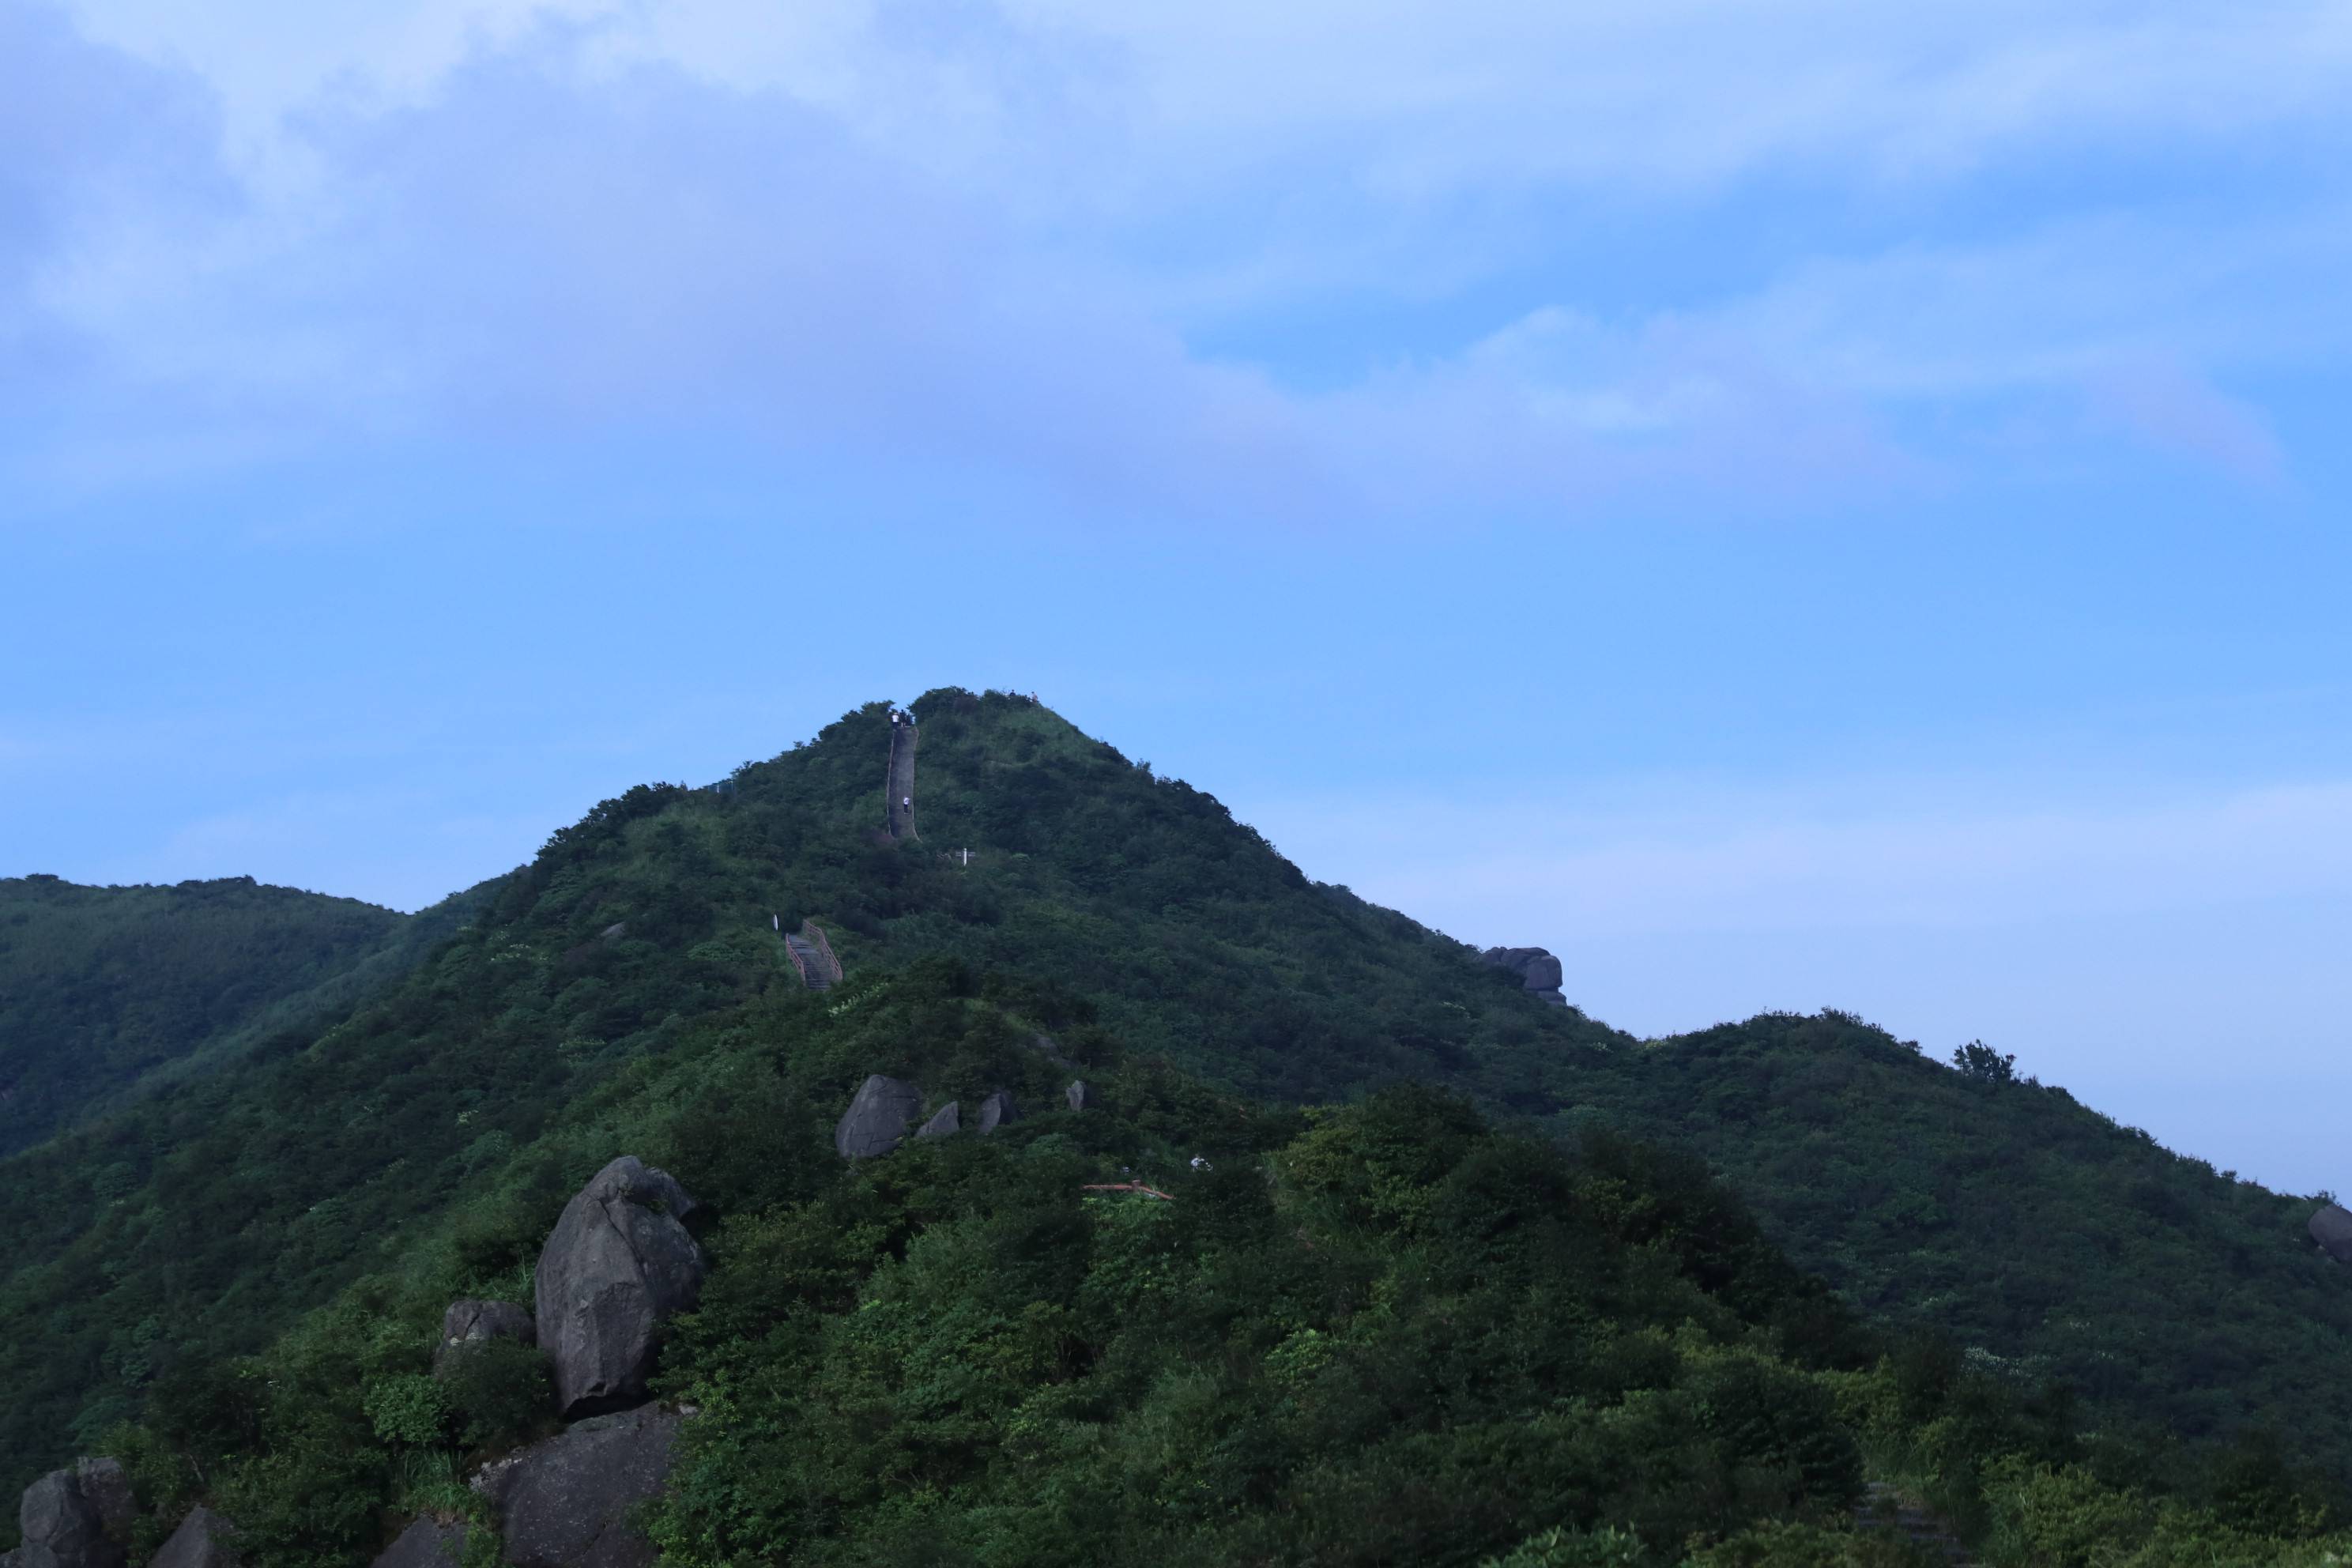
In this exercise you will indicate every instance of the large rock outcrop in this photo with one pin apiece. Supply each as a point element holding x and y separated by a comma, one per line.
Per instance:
<point>471,1322</point>
<point>427,1543</point>
<point>565,1502</point>
<point>76,1517</point>
<point>1537,970</point>
<point>617,1265</point>
<point>877,1119</point>
<point>203,1541</point>
<point>2332,1229</point>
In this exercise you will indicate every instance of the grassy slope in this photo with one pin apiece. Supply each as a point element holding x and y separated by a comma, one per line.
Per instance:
<point>102,988</point>
<point>201,1224</point>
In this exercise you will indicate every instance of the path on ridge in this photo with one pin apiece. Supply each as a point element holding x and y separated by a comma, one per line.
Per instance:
<point>901,817</point>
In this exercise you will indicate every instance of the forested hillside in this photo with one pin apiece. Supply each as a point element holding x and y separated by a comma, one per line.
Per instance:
<point>100,987</point>
<point>1379,1335</point>
<point>1129,917</point>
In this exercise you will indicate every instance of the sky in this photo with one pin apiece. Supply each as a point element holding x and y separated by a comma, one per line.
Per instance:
<point>1789,504</point>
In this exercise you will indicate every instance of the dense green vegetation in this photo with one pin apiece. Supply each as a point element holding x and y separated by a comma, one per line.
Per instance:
<point>102,988</point>
<point>1386,1334</point>
<point>1122,913</point>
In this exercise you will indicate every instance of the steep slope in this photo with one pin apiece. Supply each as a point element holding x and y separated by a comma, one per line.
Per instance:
<point>100,987</point>
<point>1117,912</point>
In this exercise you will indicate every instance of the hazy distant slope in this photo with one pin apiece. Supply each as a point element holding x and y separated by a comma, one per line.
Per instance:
<point>2027,1226</point>
<point>101,986</point>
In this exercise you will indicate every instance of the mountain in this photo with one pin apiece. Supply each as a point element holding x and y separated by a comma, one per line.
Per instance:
<point>104,988</point>
<point>632,983</point>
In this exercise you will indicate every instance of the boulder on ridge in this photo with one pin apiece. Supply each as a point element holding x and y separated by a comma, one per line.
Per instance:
<point>2332,1229</point>
<point>1537,970</point>
<point>995,1111</point>
<point>62,1524</point>
<point>876,1122</point>
<point>617,1265</point>
<point>427,1543</point>
<point>201,1541</point>
<point>471,1322</point>
<point>564,1502</point>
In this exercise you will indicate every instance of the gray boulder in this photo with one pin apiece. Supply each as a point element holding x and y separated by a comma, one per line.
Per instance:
<point>1081,1095</point>
<point>471,1322</point>
<point>946,1123</point>
<point>201,1541</point>
<point>617,1265</point>
<point>876,1122</point>
<point>565,1502</point>
<point>63,1527</point>
<point>995,1111</point>
<point>1537,970</point>
<point>2332,1229</point>
<point>427,1543</point>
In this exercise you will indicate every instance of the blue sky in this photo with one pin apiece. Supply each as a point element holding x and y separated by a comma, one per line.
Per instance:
<point>1786,505</point>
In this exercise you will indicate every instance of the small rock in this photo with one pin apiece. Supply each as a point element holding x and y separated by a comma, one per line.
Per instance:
<point>876,1122</point>
<point>614,931</point>
<point>995,1111</point>
<point>201,1541</point>
<point>617,1265</point>
<point>2332,1229</point>
<point>565,1502</point>
<point>1080,1094</point>
<point>1537,970</point>
<point>946,1123</point>
<point>472,1322</point>
<point>427,1543</point>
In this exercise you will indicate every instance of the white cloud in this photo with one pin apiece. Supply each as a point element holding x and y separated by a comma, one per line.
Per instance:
<point>943,236</point>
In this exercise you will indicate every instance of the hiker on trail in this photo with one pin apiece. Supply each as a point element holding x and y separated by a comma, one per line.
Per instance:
<point>907,802</point>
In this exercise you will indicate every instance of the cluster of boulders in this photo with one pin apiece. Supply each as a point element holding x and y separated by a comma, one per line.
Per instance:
<point>885,1109</point>
<point>617,1266</point>
<point>1537,970</point>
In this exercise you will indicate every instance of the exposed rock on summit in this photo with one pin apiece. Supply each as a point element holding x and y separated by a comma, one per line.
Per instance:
<point>2332,1229</point>
<point>617,1263</point>
<point>1537,970</point>
<point>876,1122</point>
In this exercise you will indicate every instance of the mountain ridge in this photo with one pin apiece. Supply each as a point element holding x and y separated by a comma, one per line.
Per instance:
<point>1128,915</point>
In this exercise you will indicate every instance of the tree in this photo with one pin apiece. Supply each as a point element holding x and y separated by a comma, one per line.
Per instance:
<point>1980,1060</point>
